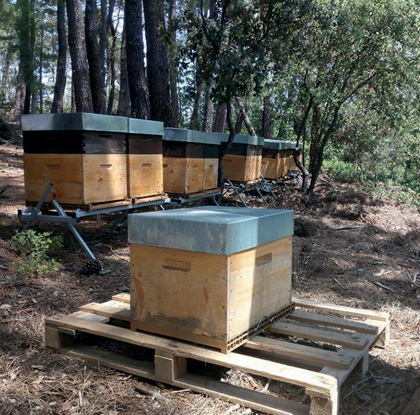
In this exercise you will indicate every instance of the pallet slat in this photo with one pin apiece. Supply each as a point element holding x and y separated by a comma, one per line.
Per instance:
<point>200,384</point>
<point>331,321</point>
<point>305,353</point>
<point>321,383</point>
<point>290,328</point>
<point>355,312</point>
<point>123,298</point>
<point>118,313</point>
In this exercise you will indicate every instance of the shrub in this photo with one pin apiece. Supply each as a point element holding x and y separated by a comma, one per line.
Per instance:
<point>35,249</point>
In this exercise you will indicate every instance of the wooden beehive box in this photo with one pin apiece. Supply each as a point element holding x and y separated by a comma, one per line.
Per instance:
<point>272,159</point>
<point>144,159</point>
<point>243,161</point>
<point>84,155</point>
<point>210,275</point>
<point>190,161</point>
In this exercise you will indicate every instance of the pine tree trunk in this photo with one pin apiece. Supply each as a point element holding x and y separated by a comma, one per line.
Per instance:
<point>219,124</point>
<point>60,80</point>
<point>25,74</point>
<point>124,95</point>
<point>41,63</point>
<point>94,58</point>
<point>5,75</point>
<point>196,106</point>
<point>103,39</point>
<point>157,63</point>
<point>80,69</point>
<point>173,64</point>
<point>111,59</point>
<point>267,128</point>
<point>139,94</point>
<point>208,109</point>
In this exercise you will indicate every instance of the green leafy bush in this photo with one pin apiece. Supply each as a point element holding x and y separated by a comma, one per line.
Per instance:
<point>341,170</point>
<point>35,249</point>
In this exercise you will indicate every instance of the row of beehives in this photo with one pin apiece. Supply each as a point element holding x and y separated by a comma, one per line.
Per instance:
<point>94,158</point>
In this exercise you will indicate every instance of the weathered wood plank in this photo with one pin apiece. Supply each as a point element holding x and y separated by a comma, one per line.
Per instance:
<point>326,385</point>
<point>305,353</point>
<point>290,328</point>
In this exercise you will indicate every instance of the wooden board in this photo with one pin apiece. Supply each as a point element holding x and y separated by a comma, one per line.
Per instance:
<point>270,168</point>
<point>260,284</point>
<point>144,175</point>
<point>211,173</point>
<point>64,170</point>
<point>188,294</point>
<point>183,175</point>
<point>241,168</point>
<point>104,177</point>
<point>179,290</point>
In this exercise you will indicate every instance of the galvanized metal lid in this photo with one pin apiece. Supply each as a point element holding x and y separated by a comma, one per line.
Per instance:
<point>211,229</point>
<point>274,144</point>
<point>190,136</point>
<point>245,139</point>
<point>147,127</point>
<point>74,121</point>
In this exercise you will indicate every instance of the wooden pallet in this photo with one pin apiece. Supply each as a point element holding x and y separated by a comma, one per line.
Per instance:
<point>320,372</point>
<point>146,199</point>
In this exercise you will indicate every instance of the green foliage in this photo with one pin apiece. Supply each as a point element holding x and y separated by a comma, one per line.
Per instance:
<point>341,170</point>
<point>35,249</point>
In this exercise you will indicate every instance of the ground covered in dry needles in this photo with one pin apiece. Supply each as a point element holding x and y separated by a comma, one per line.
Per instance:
<point>349,249</point>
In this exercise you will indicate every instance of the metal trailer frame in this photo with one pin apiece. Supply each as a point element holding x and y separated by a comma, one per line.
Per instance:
<point>31,214</point>
<point>180,201</point>
<point>259,185</point>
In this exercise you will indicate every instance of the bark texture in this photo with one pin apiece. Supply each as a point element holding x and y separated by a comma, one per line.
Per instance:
<point>60,80</point>
<point>173,63</point>
<point>267,125</point>
<point>135,60</point>
<point>220,121</point>
<point>208,109</point>
<point>94,58</point>
<point>80,70</point>
<point>157,63</point>
<point>124,107</point>
<point>196,106</point>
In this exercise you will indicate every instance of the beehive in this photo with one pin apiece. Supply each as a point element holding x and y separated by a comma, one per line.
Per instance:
<point>190,161</point>
<point>84,155</point>
<point>242,163</point>
<point>273,161</point>
<point>144,158</point>
<point>210,275</point>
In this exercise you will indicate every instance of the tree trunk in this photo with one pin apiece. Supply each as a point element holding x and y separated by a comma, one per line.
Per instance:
<point>173,75</point>
<point>196,106</point>
<point>25,74</point>
<point>157,63</point>
<point>41,63</point>
<point>111,59</point>
<point>103,39</point>
<point>60,80</point>
<point>319,159</point>
<point>94,58</point>
<point>82,92</point>
<point>267,125</point>
<point>314,146</point>
<point>124,95</point>
<point>225,147</point>
<point>238,123</point>
<point>5,75</point>
<point>244,114</point>
<point>135,60</point>
<point>208,109</point>
<point>219,124</point>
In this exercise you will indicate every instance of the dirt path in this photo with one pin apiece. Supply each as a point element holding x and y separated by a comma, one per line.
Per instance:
<point>349,249</point>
